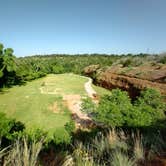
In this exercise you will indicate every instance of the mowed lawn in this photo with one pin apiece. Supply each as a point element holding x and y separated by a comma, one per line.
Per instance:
<point>32,103</point>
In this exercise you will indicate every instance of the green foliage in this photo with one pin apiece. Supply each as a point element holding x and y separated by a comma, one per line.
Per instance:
<point>60,137</point>
<point>152,98</point>
<point>113,109</point>
<point>35,134</point>
<point>7,66</point>
<point>88,106</point>
<point>18,70</point>
<point>9,128</point>
<point>58,69</point>
<point>163,59</point>
<point>70,126</point>
<point>117,109</point>
<point>30,67</point>
<point>131,60</point>
<point>147,109</point>
<point>5,125</point>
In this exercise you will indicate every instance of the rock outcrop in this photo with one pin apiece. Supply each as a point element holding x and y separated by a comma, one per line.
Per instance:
<point>131,79</point>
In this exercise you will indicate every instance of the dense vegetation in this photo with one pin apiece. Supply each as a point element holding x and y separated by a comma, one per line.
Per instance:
<point>117,110</point>
<point>126,132</point>
<point>18,70</point>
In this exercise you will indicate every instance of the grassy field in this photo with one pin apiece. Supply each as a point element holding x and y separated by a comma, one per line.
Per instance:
<point>33,103</point>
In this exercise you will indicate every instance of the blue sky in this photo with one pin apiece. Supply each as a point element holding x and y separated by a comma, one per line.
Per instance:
<point>83,26</point>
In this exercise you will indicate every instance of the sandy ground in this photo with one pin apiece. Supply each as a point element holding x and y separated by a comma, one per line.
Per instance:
<point>74,104</point>
<point>88,87</point>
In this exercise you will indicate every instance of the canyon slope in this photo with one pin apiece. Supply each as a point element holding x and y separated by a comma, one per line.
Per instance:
<point>132,79</point>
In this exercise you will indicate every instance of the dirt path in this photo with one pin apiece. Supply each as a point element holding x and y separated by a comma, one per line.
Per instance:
<point>73,102</point>
<point>88,87</point>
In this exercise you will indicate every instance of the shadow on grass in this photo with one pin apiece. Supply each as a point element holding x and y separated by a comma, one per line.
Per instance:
<point>6,88</point>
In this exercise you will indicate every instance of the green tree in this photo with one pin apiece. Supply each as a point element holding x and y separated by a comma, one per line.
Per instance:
<point>7,66</point>
<point>152,98</point>
<point>117,109</point>
<point>113,109</point>
<point>9,128</point>
<point>147,109</point>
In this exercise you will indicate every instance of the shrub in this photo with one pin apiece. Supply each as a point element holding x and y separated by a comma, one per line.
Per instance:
<point>152,98</point>
<point>162,58</point>
<point>70,126</point>
<point>35,134</point>
<point>9,128</point>
<point>113,109</point>
<point>117,110</point>
<point>147,109</point>
<point>88,106</point>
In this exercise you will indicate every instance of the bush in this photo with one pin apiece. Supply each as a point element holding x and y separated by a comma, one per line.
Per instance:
<point>163,58</point>
<point>9,128</point>
<point>88,106</point>
<point>117,109</point>
<point>152,98</point>
<point>113,109</point>
<point>147,109</point>
<point>70,127</point>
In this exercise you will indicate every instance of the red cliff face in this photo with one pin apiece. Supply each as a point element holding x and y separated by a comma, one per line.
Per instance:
<point>133,79</point>
<point>130,84</point>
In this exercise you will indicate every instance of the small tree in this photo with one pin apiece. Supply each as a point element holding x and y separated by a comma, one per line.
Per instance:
<point>9,128</point>
<point>117,109</point>
<point>147,109</point>
<point>152,98</point>
<point>114,109</point>
<point>7,66</point>
<point>88,106</point>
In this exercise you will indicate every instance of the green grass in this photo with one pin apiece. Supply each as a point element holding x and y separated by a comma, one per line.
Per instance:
<point>101,91</point>
<point>27,104</point>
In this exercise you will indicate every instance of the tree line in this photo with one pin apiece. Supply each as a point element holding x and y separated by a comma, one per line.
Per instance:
<point>15,70</point>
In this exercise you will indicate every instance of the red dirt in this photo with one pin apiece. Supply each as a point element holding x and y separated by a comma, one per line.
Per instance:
<point>132,85</point>
<point>131,79</point>
<point>73,102</point>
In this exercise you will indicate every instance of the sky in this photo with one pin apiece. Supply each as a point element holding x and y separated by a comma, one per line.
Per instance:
<point>83,26</point>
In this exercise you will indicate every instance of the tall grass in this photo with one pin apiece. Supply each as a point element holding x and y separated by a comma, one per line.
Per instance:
<point>138,147</point>
<point>81,156</point>
<point>109,149</point>
<point>119,158</point>
<point>23,153</point>
<point>115,148</point>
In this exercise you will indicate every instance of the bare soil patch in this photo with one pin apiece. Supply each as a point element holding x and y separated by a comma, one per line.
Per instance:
<point>45,90</point>
<point>73,102</point>
<point>54,108</point>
